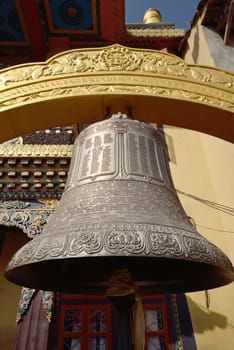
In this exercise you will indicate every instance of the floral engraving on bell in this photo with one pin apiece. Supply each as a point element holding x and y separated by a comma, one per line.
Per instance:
<point>88,242</point>
<point>123,239</point>
<point>125,242</point>
<point>165,244</point>
<point>198,248</point>
<point>49,246</point>
<point>24,255</point>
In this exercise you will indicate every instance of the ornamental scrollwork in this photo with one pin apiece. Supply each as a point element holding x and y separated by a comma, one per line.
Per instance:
<point>123,240</point>
<point>30,222</point>
<point>127,72</point>
<point>137,90</point>
<point>6,205</point>
<point>47,247</point>
<point>160,63</point>
<point>120,242</point>
<point>25,300</point>
<point>115,58</point>
<point>71,63</point>
<point>198,248</point>
<point>87,241</point>
<point>164,244</point>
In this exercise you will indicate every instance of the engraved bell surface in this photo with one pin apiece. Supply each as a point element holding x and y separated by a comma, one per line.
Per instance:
<point>119,210</point>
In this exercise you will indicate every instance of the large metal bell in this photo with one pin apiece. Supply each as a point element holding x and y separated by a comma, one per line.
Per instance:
<point>120,211</point>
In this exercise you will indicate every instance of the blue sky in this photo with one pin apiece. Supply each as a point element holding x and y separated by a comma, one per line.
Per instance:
<point>179,12</point>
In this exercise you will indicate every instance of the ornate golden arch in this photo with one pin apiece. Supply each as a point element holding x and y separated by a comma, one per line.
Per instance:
<point>85,85</point>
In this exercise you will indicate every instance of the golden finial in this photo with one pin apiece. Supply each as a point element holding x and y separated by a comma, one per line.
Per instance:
<point>152,16</point>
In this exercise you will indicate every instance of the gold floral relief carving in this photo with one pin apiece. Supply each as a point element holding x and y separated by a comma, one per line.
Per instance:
<point>111,59</point>
<point>116,71</point>
<point>120,89</point>
<point>117,58</point>
<point>114,58</point>
<point>133,84</point>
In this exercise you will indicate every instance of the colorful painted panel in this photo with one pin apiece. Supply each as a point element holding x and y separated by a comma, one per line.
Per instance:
<point>72,16</point>
<point>11,30</point>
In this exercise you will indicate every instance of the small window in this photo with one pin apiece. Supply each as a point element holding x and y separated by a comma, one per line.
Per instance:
<point>89,323</point>
<point>156,327</point>
<point>84,326</point>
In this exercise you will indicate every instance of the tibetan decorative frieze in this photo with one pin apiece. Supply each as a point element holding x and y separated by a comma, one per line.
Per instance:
<point>140,78</point>
<point>30,222</point>
<point>31,151</point>
<point>123,240</point>
<point>114,58</point>
<point>9,205</point>
<point>30,217</point>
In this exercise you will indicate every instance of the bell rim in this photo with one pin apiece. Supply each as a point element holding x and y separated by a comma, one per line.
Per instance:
<point>196,277</point>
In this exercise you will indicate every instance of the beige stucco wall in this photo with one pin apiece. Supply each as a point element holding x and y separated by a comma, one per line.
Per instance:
<point>9,293</point>
<point>203,166</point>
<point>197,51</point>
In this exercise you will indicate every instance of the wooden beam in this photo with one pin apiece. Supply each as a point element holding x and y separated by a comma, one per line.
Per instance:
<point>229,22</point>
<point>34,27</point>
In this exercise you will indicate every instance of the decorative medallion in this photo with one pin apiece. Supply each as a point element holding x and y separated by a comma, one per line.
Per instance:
<point>72,16</point>
<point>116,58</point>
<point>71,13</point>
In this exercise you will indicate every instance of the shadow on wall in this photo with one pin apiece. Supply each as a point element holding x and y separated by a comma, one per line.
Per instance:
<point>205,319</point>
